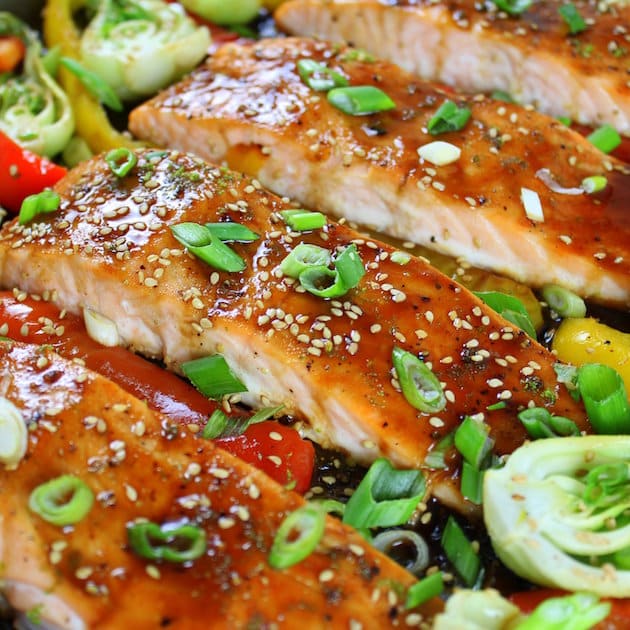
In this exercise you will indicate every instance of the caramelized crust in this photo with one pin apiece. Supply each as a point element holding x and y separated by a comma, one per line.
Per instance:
<point>249,107</point>
<point>109,248</point>
<point>86,575</point>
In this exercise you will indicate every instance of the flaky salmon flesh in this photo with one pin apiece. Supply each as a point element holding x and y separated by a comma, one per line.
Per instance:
<point>110,249</point>
<point>477,47</point>
<point>88,576</point>
<point>249,107</point>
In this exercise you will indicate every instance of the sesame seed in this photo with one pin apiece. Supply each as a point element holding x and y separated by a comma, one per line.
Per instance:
<point>225,522</point>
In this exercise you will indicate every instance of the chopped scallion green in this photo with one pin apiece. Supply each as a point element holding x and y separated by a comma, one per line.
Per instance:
<point>471,483</point>
<point>572,17</point>
<point>320,77</point>
<point>304,256</point>
<point>460,552</point>
<point>509,307</point>
<point>606,138</point>
<point>302,220</point>
<point>564,302</point>
<point>422,591</point>
<point>212,376</point>
<point>167,542</point>
<point>40,203</point>
<point>121,161</point>
<point>605,398</point>
<point>513,7</point>
<point>436,457</point>
<point>385,497</point>
<point>231,231</point>
<point>100,90</point>
<point>62,501</point>
<point>540,424</point>
<point>419,385</point>
<point>594,184</point>
<point>219,426</point>
<point>500,95</point>
<point>360,100</point>
<point>473,441</point>
<point>448,117</point>
<point>298,536</point>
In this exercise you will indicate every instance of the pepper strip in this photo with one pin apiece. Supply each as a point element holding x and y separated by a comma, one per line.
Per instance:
<point>92,122</point>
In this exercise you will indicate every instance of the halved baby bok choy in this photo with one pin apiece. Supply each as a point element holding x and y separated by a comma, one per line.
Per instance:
<point>558,513</point>
<point>34,110</point>
<point>140,46</point>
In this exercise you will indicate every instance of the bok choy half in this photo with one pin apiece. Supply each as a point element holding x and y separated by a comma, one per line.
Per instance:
<point>140,46</point>
<point>34,110</point>
<point>558,513</point>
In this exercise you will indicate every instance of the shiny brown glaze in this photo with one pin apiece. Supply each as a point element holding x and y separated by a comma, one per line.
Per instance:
<point>248,106</point>
<point>82,424</point>
<point>328,361</point>
<point>475,47</point>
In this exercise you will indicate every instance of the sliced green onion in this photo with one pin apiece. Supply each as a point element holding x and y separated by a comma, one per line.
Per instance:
<point>564,302</point>
<point>323,282</point>
<point>509,307</point>
<point>406,547</point>
<point>448,117</point>
<point>41,203</point>
<point>219,426</point>
<point>579,611</point>
<point>540,424</point>
<point>330,506</point>
<point>496,406</point>
<point>13,434</point>
<point>318,76</point>
<point>121,161</point>
<point>436,457</point>
<point>513,7</point>
<point>471,483</point>
<point>302,257</point>
<point>565,120</point>
<point>500,95</point>
<point>385,497</point>
<point>212,376</point>
<point>231,231</point>
<point>460,552</point>
<point>419,385</point>
<point>100,90</point>
<point>349,266</point>
<point>422,591</point>
<point>298,536</point>
<point>62,501</point>
<point>572,17</point>
<point>166,542</point>
<point>605,398</point>
<point>594,184</point>
<point>606,138</point>
<point>473,441</point>
<point>360,100</point>
<point>302,220</point>
<point>203,244</point>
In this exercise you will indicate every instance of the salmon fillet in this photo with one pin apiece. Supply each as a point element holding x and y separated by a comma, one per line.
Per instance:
<point>88,576</point>
<point>477,48</point>
<point>249,108</point>
<point>328,361</point>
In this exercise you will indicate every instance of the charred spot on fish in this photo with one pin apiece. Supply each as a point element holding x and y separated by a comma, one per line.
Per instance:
<point>165,622</point>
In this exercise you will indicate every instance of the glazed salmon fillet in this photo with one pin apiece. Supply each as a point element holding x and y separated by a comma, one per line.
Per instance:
<point>249,108</point>
<point>88,575</point>
<point>476,47</point>
<point>110,248</point>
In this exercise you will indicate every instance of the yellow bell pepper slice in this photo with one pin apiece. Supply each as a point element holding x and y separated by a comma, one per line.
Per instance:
<point>92,123</point>
<point>585,340</point>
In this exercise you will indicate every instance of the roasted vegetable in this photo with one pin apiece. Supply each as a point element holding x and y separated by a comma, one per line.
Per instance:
<point>34,110</point>
<point>557,513</point>
<point>225,13</point>
<point>140,46</point>
<point>585,340</point>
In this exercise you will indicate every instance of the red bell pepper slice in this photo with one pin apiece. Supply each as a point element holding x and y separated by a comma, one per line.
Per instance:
<point>270,446</point>
<point>23,173</point>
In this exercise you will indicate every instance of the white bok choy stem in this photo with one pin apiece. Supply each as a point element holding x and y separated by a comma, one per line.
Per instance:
<point>558,513</point>
<point>34,110</point>
<point>140,46</point>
